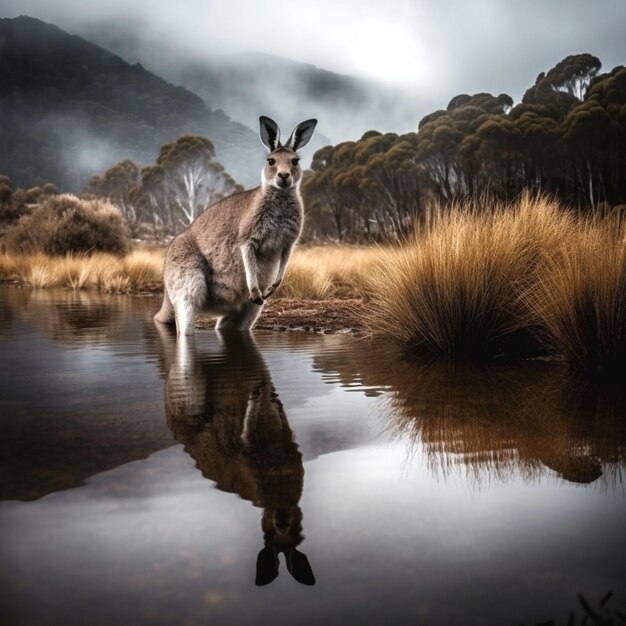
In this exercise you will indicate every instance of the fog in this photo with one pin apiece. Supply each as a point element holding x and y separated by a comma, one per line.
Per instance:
<point>356,65</point>
<point>438,49</point>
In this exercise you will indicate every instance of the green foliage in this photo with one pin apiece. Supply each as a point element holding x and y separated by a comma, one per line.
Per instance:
<point>64,223</point>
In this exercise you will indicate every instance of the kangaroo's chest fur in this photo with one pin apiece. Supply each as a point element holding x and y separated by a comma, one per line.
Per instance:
<point>276,222</point>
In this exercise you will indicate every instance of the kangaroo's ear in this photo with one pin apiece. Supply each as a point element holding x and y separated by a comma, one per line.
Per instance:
<point>299,567</point>
<point>270,133</point>
<point>301,134</point>
<point>266,566</point>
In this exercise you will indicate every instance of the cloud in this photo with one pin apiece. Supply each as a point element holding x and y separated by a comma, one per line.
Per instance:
<point>439,48</point>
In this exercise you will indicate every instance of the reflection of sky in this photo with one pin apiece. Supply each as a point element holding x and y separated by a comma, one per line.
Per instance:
<point>384,544</point>
<point>153,540</point>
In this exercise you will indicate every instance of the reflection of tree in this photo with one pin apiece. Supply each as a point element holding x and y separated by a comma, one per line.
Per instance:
<point>495,418</point>
<point>228,416</point>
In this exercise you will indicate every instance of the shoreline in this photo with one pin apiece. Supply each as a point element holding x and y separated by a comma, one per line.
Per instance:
<point>330,316</point>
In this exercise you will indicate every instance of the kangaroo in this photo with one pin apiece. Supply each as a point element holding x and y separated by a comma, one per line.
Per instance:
<point>234,255</point>
<point>230,420</point>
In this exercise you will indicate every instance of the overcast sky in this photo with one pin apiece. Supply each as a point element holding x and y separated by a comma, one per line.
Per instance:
<point>440,48</point>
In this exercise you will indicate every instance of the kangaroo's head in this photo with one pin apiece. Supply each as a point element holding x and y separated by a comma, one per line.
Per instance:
<point>282,169</point>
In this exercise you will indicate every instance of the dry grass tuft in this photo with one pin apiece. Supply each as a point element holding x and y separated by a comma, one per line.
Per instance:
<point>579,298</point>
<point>456,287</point>
<point>320,272</point>
<point>141,270</point>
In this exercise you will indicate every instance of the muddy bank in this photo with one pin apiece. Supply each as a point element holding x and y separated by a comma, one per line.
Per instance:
<point>321,316</point>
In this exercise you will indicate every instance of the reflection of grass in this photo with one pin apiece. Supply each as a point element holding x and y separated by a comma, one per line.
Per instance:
<point>493,419</point>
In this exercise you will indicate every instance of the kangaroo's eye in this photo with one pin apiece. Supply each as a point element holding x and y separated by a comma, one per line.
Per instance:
<point>271,161</point>
<point>295,161</point>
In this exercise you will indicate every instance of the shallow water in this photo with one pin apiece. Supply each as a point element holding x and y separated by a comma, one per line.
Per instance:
<point>149,482</point>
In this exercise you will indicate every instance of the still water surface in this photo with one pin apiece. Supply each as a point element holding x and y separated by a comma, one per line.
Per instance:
<point>295,479</point>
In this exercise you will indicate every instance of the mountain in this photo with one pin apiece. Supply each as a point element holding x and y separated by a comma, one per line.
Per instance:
<point>249,84</point>
<point>70,109</point>
<point>244,84</point>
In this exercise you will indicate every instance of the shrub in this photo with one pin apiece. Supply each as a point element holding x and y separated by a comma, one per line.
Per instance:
<point>64,223</point>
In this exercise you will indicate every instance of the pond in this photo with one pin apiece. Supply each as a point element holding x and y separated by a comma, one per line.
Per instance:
<point>293,478</point>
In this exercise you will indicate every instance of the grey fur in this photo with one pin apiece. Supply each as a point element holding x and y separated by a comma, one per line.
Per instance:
<point>234,255</point>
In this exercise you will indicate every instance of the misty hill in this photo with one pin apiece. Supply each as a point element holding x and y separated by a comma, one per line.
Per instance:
<point>70,109</point>
<point>243,84</point>
<point>248,84</point>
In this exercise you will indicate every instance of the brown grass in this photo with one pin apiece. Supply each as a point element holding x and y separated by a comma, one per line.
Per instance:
<point>456,286</point>
<point>320,272</point>
<point>140,270</point>
<point>579,298</point>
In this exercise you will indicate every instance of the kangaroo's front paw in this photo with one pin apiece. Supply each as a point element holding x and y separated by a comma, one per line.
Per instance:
<point>271,289</point>
<point>256,296</point>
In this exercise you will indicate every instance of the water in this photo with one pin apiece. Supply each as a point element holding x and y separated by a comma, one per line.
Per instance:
<point>149,482</point>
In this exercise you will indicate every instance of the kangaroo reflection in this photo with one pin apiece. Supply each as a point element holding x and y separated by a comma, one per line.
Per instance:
<point>225,411</point>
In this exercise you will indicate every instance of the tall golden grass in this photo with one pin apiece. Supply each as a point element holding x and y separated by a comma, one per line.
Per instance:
<point>522,278</point>
<point>314,273</point>
<point>578,301</point>
<point>140,270</point>
<point>319,272</point>
<point>456,286</point>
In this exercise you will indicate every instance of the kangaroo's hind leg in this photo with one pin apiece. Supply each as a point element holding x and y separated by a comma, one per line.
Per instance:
<point>166,313</point>
<point>243,319</point>
<point>188,293</point>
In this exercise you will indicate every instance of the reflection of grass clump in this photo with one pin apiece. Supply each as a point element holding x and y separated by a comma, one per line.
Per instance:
<point>64,223</point>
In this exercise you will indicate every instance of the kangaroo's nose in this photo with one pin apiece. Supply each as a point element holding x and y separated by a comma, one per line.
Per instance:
<point>284,176</point>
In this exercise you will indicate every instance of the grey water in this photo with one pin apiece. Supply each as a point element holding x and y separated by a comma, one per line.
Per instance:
<point>294,478</point>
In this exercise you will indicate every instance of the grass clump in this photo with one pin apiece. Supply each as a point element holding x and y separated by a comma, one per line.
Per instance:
<point>457,286</point>
<point>64,223</point>
<point>333,271</point>
<point>579,298</point>
<point>140,270</point>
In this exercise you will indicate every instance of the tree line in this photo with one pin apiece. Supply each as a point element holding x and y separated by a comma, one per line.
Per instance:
<point>567,137</point>
<point>169,195</point>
